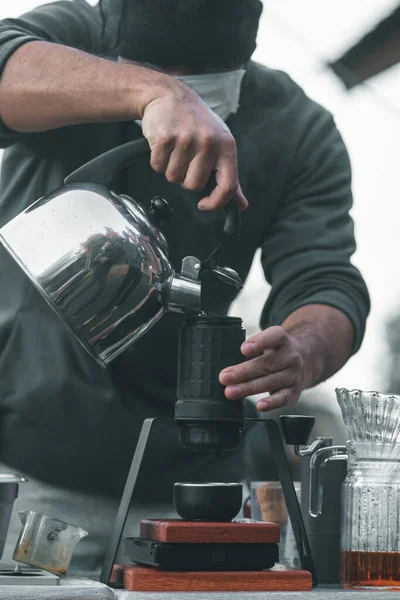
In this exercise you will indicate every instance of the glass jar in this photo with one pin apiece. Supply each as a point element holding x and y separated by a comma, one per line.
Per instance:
<point>370,532</point>
<point>268,505</point>
<point>370,538</point>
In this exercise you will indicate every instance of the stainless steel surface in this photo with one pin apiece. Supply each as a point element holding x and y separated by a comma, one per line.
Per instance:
<point>184,295</point>
<point>191,267</point>
<point>320,442</point>
<point>46,543</point>
<point>99,262</point>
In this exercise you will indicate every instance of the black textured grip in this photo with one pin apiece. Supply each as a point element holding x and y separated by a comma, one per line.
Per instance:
<point>207,346</point>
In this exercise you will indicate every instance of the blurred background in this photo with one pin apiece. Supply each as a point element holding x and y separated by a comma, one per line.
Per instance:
<point>304,39</point>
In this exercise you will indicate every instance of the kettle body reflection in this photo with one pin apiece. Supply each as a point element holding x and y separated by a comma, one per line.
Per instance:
<point>108,278</point>
<point>100,260</point>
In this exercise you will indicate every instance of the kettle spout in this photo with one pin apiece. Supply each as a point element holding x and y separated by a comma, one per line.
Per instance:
<point>184,295</point>
<point>185,289</point>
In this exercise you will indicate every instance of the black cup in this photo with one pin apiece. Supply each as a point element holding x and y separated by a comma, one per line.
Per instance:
<point>208,501</point>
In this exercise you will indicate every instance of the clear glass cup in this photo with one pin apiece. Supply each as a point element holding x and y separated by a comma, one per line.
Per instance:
<point>46,543</point>
<point>370,532</point>
<point>268,505</point>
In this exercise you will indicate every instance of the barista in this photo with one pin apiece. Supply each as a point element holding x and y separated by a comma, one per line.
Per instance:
<point>76,81</point>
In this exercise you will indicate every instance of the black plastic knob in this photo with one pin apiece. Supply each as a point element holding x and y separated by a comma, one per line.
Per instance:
<point>160,210</point>
<point>297,429</point>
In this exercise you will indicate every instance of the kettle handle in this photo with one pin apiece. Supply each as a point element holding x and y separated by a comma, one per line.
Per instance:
<point>103,169</point>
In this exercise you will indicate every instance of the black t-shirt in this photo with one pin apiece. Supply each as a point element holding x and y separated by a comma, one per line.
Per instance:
<point>62,418</point>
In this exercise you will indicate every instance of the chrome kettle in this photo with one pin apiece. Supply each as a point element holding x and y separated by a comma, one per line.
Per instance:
<point>100,260</point>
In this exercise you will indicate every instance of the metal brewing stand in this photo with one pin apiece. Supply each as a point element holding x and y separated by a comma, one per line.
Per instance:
<point>283,469</point>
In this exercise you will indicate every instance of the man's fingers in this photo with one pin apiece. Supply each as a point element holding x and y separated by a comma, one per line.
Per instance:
<point>272,361</point>
<point>284,397</point>
<point>219,197</point>
<point>226,176</point>
<point>273,337</point>
<point>199,172</point>
<point>180,160</point>
<point>161,151</point>
<point>241,198</point>
<point>268,383</point>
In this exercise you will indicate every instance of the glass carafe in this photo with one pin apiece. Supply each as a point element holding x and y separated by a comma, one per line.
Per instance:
<point>370,536</point>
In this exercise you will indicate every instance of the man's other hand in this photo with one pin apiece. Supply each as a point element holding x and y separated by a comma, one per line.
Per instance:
<point>275,366</point>
<point>189,142</point>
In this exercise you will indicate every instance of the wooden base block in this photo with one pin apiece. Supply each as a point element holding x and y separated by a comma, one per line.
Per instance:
<point>278,579</point>
<point>176,531</point>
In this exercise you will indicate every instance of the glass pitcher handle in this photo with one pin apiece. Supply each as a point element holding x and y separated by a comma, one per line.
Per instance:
<point>318,463</point>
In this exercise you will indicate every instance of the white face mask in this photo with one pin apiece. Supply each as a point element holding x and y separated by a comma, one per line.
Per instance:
<point>220,91</point>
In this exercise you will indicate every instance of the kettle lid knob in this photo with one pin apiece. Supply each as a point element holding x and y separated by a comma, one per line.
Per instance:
<point>159,210</point>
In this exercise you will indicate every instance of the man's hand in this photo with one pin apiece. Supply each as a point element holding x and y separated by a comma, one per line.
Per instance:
<point>47,86</point>
<point>275,365</point>
<point>189,142</point>
<point>313,343</point>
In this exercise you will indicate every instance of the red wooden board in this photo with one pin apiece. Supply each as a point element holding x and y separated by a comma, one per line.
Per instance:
<point>278,579</point>
<point>175,531</point>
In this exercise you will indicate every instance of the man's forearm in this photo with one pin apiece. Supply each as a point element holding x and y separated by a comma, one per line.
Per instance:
<point>45,86</point>
<point>325,338</point>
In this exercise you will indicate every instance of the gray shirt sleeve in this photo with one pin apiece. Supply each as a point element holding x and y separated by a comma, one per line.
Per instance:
<point>307,253</point>
<point>71,23</point>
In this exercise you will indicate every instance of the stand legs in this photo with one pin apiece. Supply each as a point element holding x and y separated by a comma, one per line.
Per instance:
<point>289,492</point>
<point>124,506</point>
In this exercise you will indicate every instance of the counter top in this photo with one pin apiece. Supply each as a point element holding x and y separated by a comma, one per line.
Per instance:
<point>81,589</point>
<point>69,589</point>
